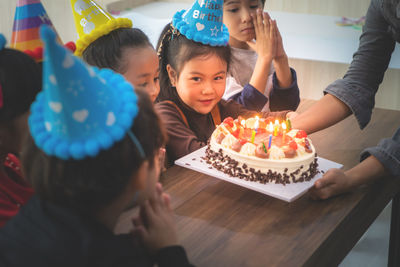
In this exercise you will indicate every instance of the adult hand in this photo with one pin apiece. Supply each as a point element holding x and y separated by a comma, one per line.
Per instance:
<point>334,182</point>
<point>155,223</point>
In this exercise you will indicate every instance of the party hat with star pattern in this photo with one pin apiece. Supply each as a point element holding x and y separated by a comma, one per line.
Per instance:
<point>81,109</point>
<point>203,23</point>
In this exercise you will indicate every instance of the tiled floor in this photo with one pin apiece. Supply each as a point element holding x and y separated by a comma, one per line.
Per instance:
<point>372,248</point>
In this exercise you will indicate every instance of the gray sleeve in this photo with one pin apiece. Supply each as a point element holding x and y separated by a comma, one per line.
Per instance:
<point>387,152</point>
<point>358,87</point>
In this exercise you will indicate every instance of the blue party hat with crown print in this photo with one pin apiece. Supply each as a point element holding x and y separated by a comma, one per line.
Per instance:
<point>203,23</point>
<point>81,109</point>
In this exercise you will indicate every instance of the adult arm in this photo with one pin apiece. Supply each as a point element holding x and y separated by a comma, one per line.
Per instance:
<point>376,162</point>
<point>358,87</point>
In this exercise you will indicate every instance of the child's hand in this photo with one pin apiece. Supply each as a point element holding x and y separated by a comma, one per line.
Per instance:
<point>161,157</point>
<point>280,51</point>
<point>334,182</point>
<point>266,35</point>
<point>155,224</point>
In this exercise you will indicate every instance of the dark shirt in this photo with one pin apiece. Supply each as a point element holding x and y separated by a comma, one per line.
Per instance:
<point>279,98</point>
<point>43,234</point>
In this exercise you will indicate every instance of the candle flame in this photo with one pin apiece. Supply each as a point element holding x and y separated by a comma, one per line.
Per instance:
<point>243,123</point>
<point>276,122</point>
<point>256,124</point>
<point>283,126</point>
<point>270,127</point>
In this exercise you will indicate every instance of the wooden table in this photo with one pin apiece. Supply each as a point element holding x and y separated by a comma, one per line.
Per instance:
<point>222,224</point>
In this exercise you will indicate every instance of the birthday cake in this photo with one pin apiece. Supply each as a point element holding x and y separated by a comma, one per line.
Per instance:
<point>262,150</point>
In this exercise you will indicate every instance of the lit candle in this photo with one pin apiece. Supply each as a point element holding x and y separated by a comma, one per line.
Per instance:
<point>289,124</point>
<point>270,127</point>
<point>243,123</point>
<point>253,135</point>
<point>276,127</point>
<point>270,141</point>
<point>256,124</point>
<point>283,132</point>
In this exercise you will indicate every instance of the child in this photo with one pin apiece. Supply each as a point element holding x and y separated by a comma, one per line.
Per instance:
<point>129,52</point>
<point>114,44</point>
<point>251,76</point>
<point>19,83</point>
<point>93,151</point>
<point>192,78</point>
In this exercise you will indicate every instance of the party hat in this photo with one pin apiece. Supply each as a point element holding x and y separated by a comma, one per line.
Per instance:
<point>92,22</point>
<point>203,23</point>
<point>81,109</point>
<point>29,16</point>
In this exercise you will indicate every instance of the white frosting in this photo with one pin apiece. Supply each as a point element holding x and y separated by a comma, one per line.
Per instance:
<point>276,153</point>
<point>248,149</point>
<point>228,141</point>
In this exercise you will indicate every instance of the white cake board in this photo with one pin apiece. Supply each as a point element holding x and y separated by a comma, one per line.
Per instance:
<point>288,192</point>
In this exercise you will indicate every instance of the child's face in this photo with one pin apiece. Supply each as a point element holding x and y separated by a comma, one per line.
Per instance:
<point>201,82</point>
<point>143,70</point>
<point>238,20</point>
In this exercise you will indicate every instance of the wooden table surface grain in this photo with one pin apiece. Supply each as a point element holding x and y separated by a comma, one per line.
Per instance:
<point>222,224</point>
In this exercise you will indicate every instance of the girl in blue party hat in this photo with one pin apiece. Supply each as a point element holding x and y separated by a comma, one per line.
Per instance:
<point>93,152</point>
<point>194,60</point>
<point>260,65</point>
<point>20,81</point>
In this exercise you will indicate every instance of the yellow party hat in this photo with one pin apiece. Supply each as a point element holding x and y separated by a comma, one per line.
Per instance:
<point>92,22</point>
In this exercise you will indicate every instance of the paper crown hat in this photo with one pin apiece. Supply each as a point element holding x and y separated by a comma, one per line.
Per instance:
<point>29,16</point>
<point>92,22</point>
<point>203,23</point>
<point>81,109</point>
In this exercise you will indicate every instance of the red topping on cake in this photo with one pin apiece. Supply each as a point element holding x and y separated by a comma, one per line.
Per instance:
<point>228,121</point>
<point>301,134</point>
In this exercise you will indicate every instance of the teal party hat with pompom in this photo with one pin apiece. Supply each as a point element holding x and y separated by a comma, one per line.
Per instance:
<point>203,23</point>
<point>81,109</point>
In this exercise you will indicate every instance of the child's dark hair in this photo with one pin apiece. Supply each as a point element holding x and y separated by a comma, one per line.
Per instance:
<point>108,50</point>
<point>20,81</point>
<point>175,49</point>
<point>88,185</point>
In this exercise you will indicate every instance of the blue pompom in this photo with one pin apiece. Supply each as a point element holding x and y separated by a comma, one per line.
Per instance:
<point>91,148</point>
<point>117,132</point>
<point>3,41</point>
<point>125,120</point>
<point>76,150</point>
<point>49,145</point>
<point>61,150</point>
<point>104,140</point>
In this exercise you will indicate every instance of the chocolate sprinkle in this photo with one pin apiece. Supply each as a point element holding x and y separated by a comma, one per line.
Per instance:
<point>233,168</point>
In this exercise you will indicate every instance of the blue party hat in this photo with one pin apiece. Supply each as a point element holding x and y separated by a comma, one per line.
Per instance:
<point>203,23</point>
<point>81,109</point>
